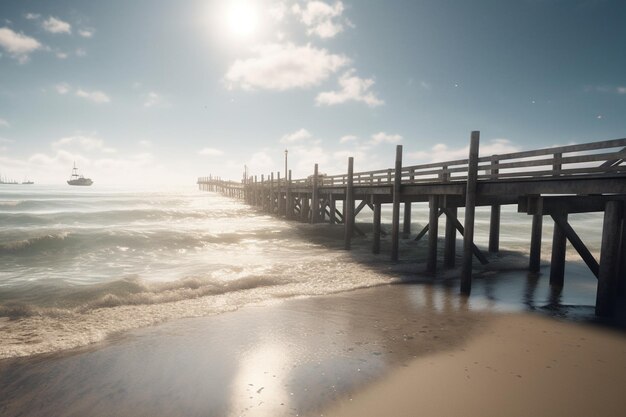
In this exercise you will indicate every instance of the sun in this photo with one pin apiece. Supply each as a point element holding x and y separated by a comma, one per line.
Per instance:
<point>242,18</point>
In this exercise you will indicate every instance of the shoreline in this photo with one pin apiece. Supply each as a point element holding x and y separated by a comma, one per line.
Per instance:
<point>303,356</point>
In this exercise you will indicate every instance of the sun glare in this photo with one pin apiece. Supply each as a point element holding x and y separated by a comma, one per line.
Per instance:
<point>242,18</point>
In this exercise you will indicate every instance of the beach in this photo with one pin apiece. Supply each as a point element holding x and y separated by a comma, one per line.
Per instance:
<point>397,350</point>
<point>109,311</point>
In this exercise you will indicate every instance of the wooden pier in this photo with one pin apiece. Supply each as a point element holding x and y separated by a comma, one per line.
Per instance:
<point>552,182</point>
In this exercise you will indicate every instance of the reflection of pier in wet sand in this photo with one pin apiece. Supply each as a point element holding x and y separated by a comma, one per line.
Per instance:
<point>553,182</point>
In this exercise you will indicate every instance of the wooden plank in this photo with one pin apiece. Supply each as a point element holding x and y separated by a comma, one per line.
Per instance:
<point>362,204</point>
<point>406,223</point>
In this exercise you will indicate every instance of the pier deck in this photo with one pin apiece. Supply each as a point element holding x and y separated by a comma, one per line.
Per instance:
<point>552,182</point>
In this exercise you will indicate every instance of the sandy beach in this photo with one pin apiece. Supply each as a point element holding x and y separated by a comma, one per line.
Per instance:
<point>391,350</point>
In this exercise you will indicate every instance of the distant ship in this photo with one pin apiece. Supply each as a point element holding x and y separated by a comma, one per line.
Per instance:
<point>76,179</point>
<point>7,181</point>
<point>27,182</point>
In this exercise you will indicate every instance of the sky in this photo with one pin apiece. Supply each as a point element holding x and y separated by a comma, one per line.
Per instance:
<point>161,92</point>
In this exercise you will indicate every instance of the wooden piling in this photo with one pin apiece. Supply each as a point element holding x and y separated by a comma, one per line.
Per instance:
<point>377,216</point>
<point>395,222</point>
<point>470,211</point>
<point>449,253</point>
<point>557,262</point>
<point>406,223</point>
<point>433,228</point>
<point>534,263</point>
<point>315,198</point>
<point>288,198</point>
<point>332,208</point>
<point>348,218</point>
<point>609,259</point>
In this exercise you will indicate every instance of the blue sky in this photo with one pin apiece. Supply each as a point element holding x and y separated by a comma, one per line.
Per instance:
<point>162,91</point>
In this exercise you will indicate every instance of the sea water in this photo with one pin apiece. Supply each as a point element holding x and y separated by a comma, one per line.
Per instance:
<point>81,263</point>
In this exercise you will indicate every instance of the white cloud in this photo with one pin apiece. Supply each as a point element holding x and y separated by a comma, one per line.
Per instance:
<point>621,90</point>
<point>86,33</point>
<point>54,25</point>
<point>277,11</point>
<point>62,88</point>
<point>210,152</point>
<point>153,99</point>
<point>18,45</point>
<point>441,152</point>
<point>284,66</point>
<point>297,136</point>
<point>86,143</point>
<point>261,162</point>
<point>382,137</point>
<point>95,96</point>
<point>61,55</point>
<point>4,123</point>
<point>145,143</point>
<point>81,52</point>
<point>352,88</point>
<point>348,138</point>
<point>321,18</point>
<point>32,16</point>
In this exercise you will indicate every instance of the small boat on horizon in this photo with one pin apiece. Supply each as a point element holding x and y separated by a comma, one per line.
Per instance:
<point>76,179</point>
<point>27,182</point>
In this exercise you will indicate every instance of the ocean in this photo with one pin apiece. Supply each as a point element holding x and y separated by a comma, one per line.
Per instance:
<point>80,264</point>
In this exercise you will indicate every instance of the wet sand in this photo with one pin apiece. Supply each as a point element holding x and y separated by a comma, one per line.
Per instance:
<point>521,365</point>
<point>389,350</point>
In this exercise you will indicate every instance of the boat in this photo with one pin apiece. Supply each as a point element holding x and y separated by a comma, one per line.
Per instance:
<point>7,181</point>
<point>76,179</point>
<point>27,182</point>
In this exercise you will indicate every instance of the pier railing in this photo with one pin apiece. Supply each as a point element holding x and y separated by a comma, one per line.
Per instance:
<point>596,158</point>
<point>553,182</point>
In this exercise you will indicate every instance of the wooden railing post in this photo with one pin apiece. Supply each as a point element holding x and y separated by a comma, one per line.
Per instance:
<point>395,225</point>
<point>557,164</point>
<point>470,211</point>
<point>348,218</point>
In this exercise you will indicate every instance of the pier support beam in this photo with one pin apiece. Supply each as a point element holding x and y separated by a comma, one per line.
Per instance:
<point>395,222</point>
<point>494,229</point>
<point>449,253</point>
<point>470,211</point>
<point>288,198</point>
<point>557,262</point>
<point>315,198</point>
<point>433,229</point>
<point>304,213</point>
<point>609,259</point>
<point>534,263</point>
<point>348,218</point>
<point>406,223</point>
<point>332,209</point>
<point>376,243</point>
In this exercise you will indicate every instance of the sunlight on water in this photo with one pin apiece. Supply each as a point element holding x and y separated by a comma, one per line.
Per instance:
<point>81,265</point>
